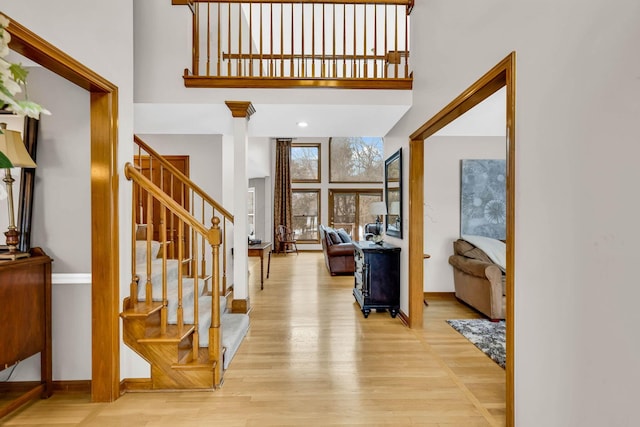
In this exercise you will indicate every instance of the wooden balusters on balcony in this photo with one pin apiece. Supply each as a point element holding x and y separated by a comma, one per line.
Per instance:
<point>352,44</point>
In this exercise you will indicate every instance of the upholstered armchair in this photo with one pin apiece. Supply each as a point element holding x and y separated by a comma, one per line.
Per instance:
<point>478,280</point>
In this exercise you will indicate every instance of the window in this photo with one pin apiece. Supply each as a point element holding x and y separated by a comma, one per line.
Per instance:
<point>306,211</point>
<point>356,159</point>
<point>305,163</point>
<point>349,210</point>
<point>251,210</point>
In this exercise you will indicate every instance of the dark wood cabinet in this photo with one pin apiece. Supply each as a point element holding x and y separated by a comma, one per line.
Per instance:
<point>25,316</point>
<point>377,277</point>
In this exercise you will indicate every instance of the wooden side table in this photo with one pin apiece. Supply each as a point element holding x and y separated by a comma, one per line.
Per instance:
<point>258,250</point>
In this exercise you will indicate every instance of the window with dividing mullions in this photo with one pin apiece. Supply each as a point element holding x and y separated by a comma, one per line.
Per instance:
<point>306,214</point>
<point>304,163</point>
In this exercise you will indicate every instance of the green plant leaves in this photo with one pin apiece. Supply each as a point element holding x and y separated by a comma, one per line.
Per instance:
<point>5,162</point>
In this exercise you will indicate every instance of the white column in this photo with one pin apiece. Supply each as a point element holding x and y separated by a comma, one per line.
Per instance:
<point>228,188</point>
<point>241,112</point>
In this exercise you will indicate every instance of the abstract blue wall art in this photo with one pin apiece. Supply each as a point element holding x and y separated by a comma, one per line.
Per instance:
<point>483,207</point>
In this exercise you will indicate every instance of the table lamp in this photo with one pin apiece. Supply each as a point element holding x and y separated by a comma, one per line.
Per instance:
<point>378,209</point>
<point>13,149</point>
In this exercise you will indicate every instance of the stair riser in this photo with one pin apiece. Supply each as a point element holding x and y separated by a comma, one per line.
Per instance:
<point>134,336</point>
<point>164,377</point>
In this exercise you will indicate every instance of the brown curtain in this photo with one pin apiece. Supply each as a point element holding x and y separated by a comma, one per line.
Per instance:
<point>282,193</point>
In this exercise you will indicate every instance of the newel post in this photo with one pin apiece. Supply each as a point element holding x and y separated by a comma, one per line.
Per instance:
<point>215,332</point>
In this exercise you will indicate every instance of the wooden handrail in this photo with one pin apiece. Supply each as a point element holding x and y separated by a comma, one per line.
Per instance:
<point>227,56</point>
<point>132,174</point>
<point>183,178</point>
<point>408,3</point>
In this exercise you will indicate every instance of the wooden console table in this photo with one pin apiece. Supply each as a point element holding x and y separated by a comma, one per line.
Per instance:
<point>25,292</point>
<point>259,250</point>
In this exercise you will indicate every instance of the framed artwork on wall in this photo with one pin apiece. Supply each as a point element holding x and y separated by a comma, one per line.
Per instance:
<point>483,208</point>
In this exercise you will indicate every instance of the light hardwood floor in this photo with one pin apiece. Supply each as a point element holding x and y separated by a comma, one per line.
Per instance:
<point>311,358</point>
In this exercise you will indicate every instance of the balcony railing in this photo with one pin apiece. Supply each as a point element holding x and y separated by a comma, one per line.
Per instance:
<point>340,44</point>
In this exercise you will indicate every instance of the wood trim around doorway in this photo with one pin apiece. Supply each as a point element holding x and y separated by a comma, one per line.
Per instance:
<point>502,75</point>
<point>105,332</point>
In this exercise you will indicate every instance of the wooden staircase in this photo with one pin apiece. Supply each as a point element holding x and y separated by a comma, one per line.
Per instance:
<point>175,316</point>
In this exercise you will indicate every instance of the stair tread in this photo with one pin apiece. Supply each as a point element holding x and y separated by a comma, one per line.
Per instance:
<point>174,334</point>
<point>141,309</point>
<point>234,328</point>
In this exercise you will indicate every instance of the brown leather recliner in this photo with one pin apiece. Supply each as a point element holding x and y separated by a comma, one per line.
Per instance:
<point>338,255</point>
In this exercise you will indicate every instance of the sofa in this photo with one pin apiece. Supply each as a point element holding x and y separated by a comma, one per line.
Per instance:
<point>479,274</point>
<point>338,250</point>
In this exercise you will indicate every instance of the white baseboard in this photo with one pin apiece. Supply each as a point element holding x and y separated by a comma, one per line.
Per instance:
<point>71,278</point>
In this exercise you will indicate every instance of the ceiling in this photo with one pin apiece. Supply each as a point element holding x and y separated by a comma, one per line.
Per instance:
<point>274,120</point>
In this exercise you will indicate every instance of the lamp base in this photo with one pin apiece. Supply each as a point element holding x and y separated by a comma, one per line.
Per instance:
<point>10,251</point>
<point>7,253</point>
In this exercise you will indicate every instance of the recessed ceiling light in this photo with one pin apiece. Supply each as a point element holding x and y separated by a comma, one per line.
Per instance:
<point>303,124</point>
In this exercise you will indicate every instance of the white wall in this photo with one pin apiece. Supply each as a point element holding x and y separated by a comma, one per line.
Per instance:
<point>259,157</point>
<point>100,36</point>
<point>62,194</point>
<point>577,90</point>
<point>205,157</point>
<point>71,301</point>
<point>61,223</point>
<point>63,176</point>
<point>442,156</point>
<point>577,106</point>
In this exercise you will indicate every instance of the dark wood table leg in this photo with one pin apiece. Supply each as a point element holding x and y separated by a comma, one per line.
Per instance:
<point>261,270</point>
<point>269,264</point>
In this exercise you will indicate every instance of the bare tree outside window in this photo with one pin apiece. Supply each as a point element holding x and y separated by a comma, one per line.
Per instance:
<point>306,211</point>
<point>356,159</point>
<point>305,163</point>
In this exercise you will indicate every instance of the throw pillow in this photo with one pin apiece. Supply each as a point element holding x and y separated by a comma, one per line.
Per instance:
<point>461,246</point>
<point>468,250</point>
<point>477,253</point>
<point>344,236</point>
<point>335,239</point>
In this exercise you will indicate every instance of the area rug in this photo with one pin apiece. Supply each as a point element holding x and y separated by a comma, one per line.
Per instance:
<point>488,336</point>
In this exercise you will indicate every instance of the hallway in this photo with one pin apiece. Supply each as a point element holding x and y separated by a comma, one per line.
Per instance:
<point>311,358</point>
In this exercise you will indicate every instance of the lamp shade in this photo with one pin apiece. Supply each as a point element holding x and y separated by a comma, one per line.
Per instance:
<point>378,208</point>
<point>394,209</point>
<point>13,148</point>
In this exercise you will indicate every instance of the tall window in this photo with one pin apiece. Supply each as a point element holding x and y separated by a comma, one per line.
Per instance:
<point>251,210</point>
<point>356,159</point>
<point>349,210</point>
<point>306,212</point>
<point>305,163</point>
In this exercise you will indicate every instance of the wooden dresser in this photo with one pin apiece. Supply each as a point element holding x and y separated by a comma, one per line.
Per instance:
<point>25,316</point>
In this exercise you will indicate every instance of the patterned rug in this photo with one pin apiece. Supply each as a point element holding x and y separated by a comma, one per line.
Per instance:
<point>490,337</point>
